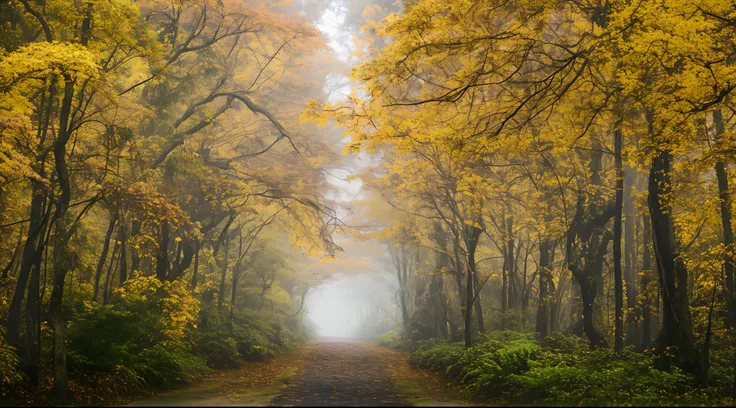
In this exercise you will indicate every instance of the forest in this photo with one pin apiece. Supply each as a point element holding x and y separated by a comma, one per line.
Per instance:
<point>543,187</point>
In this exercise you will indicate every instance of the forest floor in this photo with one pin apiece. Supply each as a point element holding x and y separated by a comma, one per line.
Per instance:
<point>321,373</point>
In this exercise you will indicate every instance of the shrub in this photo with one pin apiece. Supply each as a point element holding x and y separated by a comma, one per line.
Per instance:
<point>392,339</point>
<point>559,369</point>
<point>145,329</point>
<point>436,355</point>
<point>218,349</point>
<point>165,366</point>
<point>10,375</point>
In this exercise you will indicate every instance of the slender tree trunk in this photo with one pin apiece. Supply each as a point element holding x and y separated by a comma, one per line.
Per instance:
<point>512,297</point>
<point>633,333</point>
<point>108,275</point>
<point>401,275</point>
<point>233,293</point>
<point>221,298</point>
<point>13,258</point>
<point>195,275</point>
<point>646,305</point>
<point>436,289</point>
<point>103,255</point>
<point>618,344</point>
<point>123,238</point>
<point>459,272</point>
<point>135,259</point>
<point>504,284</point>
<point>471,243</point>
<point>162,256</point>
<point>477,304</point>
<point>544,316</point>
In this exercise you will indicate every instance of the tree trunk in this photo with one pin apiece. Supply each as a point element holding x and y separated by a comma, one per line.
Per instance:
<point>676,336</point>
<point>512,297</point>
<point>123,238</point>
<point>436,286</point>
<point>108,275</point>
<point>135,259</point>
<point>33,309</point>
<point>504,284</point>
<point>544,316</point>
<point>633,332</point>
<point>196,265</point>
<point>35,233</point>
<point>162,256</point>
<point>221,298</point>
<point>646,305</point>
<point>477,303</point>
<point>729,264</point>
<point>588,294</point>
<point>471,241</point>
<point>618,343</point>
<point>62,263</point>
<point>400,262</point>
<point>13,258</point>
<point>103,255</point>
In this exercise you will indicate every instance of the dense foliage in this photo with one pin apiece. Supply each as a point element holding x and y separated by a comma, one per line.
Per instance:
<point>560,370</point>
<point>562,168</point>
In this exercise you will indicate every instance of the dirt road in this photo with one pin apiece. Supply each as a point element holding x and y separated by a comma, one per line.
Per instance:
<point>324,373</point>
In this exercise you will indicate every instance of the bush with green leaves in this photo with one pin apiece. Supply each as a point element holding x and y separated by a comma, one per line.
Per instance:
<point>217,348</point>
<point>10,374</point>
<point>392,338</point>
<point>514,368</point>
<point>146,328</point>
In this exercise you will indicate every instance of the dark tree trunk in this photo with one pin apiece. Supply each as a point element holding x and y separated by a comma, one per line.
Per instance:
<point>183,262</point>
<point>108,275</point>
<point>62,260</point>
<point>459,272</point>
<point>471,242</point>
<point>618,343</point>
<point>162,256</point>
<point>588,294</point>
<point>33,308</point>
<point>544,315</point>
<point>221,298</point>
<point>103,255</point>
<point>436,286</point>
<point>477,303</point>
<point>123,238</point>
<point>135,259</point>
<point>676,335</point>
<point>646,279</point>
<point>35,233</point>
<point>633,332</point>
<point>504,284</point>
<point>13,258</point>
<point>513,295</point>
<point>729,264</point>
<point>400,262</point>
<point>196,265</point>
<point>586,246</point>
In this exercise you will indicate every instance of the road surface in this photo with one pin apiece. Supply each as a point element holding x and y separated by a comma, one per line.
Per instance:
<point>325,373</point>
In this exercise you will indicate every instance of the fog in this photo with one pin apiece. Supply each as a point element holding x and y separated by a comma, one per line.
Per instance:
<point>361,293</point>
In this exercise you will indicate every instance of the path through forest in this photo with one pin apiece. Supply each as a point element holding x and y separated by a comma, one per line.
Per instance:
<point>323,373</point>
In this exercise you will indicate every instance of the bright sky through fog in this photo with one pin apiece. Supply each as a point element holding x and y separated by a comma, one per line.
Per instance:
<point>335,307</point>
